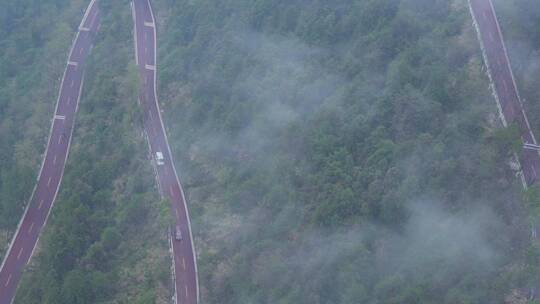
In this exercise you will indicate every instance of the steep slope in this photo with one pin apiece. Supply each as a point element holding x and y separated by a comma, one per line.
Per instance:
<point>105,241</point>
<point>332,152</point>
<point>341,152</point>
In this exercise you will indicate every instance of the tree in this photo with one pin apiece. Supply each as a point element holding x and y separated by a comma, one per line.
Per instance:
<point>166,219</point>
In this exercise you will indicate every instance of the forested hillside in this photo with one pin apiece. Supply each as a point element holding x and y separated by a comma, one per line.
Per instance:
<point>343,151</point>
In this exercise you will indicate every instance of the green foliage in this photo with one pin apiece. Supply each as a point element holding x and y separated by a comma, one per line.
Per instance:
<point>166,219</point>
<point>103,238</point>
<point>295,119</point>
<point>508,140</point>
<point>532,198</point>
<point>31,61</point>
<point>146,297</point>
<point>305,131</point>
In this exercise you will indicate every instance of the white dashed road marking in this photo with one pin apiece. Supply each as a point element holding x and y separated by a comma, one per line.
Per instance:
<point>8,279</point>
<point>31,227</point>
<point>40,204</point>
<point>20,252</point>
<point>59,117</point>
<point>49,181</point>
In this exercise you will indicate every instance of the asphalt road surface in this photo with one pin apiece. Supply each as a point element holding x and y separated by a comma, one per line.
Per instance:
<point>52,168</point>
<point>184,262</point>
<point>507,95</point>
<point>504,84</point>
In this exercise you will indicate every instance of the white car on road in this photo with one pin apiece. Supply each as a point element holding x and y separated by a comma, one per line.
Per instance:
<point>159,159</point>
<point>178,234</point>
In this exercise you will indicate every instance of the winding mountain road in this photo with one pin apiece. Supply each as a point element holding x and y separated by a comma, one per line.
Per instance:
<point>50,176</point>
<point>503,84</point>
<point>52,168</point>
<point>506,94</point>
<point>184,259</point>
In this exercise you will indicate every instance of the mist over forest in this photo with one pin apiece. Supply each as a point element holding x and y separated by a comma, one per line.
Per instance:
<point>344,151</point>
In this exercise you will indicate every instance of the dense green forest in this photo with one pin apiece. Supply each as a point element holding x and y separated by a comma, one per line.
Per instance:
<point>343,151</point>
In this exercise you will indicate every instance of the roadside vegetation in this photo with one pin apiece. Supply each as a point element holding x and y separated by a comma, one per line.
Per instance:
<point>342,152</point>
<point>331,152</point>
<point>103,242</point>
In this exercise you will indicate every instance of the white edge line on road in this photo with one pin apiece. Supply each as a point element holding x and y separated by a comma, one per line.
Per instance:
<point>86,13</point>
<point>511,72</point>
<point>158,182</point>
<point>65,161</point>
<point>171,155</point>
<point>154,166</point>
<point>46,150</point>
<point>8,252</point>
<point>135,32</point>
<point>61,175</point>
<point>493,89</point>
<point>172,163</point>
<point>173,272</point>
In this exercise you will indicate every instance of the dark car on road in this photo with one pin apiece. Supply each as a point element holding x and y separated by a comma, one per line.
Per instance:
<point>178,234</point>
